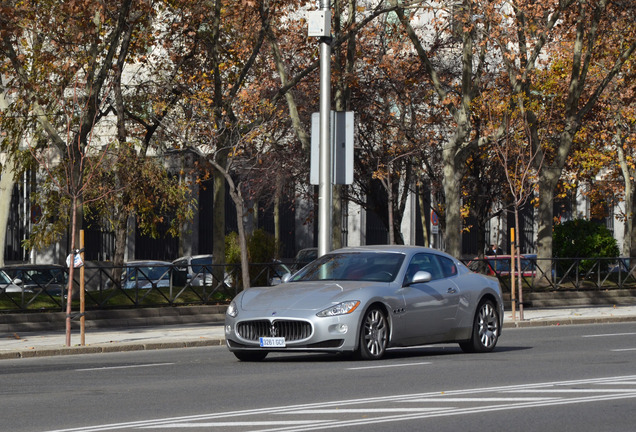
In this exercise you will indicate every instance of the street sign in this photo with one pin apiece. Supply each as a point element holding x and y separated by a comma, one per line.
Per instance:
<point>342,138</point>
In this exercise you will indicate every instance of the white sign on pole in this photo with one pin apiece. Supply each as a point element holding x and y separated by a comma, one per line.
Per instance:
<point>342,128</point>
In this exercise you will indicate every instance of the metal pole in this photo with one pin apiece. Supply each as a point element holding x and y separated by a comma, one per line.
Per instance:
<point>513,289</point>
<point>325,164</point>
<point>82,294</point>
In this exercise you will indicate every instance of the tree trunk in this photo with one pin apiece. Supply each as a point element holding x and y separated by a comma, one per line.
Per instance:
<point>218,222</point>
<point>545,213</point>
<point>452,198</point>
<point>69,294</point>
<point>121,237</point>
<point>423,212</point>
<point>628,238</point>
<point>6,191</point>
<point>336,224</point>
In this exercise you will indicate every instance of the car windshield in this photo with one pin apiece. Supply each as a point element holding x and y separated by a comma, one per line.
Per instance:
<point>201,265</point>
<point>43,276</point>
<point>4,278</point>
<point>353,266</point>
<point>150,273</point>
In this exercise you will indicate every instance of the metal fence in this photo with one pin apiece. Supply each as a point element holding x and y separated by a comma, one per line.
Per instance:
<point>44,288</point>
<point>561,274</point>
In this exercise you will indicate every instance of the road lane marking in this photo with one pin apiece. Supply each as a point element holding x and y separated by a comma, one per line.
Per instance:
<point>609,335</point>
<point>210,419</point>
<point>485,399</point>
<point>389,366</point>
<point>402,417</point>
<point>240,424</point>
<point>361,410</point>
<point>624,349</point>
<point>588,390</point>
<point>124,367</point>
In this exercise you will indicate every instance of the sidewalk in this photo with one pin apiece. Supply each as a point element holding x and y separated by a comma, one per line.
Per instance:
<point>41,344</point>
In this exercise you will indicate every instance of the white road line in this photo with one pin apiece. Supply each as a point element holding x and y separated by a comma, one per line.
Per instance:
<point>176,421</point>
<point>363,410</point>
<point>624,349</point>
<point>124,367</point>
<point>588,390</point>
<point>632,383</point>
<point>486,399</point>
<point>238,424</point>
<point>609,335</point>
<point>389,366</point>
<point>442,413</point>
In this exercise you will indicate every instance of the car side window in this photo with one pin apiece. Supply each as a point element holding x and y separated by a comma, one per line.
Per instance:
<point>423,262</point>
<point>448,266</point>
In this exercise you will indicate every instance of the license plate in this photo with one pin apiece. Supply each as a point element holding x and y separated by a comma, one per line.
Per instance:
<point>272,342</point>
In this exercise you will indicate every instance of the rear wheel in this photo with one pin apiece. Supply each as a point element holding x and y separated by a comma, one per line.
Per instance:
<point>250,356</point>
<point>374,334</point>
<point>485,329</point>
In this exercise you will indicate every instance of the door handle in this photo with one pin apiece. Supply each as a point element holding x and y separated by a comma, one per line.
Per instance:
<point>451,291</point>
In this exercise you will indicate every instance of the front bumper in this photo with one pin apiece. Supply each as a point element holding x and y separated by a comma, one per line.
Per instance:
<point>332,334</point>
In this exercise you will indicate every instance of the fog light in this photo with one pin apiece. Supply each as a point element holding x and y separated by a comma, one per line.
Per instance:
<point>228,329</point>
<point>342,328</point>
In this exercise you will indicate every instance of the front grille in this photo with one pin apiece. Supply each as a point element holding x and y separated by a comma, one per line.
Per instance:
<point>291,330</point>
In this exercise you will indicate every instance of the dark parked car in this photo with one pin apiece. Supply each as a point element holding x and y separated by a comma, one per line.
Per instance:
<point>51,278</point>
<point>304,257</point>
<point>194,270</point>
<point>146,274</point>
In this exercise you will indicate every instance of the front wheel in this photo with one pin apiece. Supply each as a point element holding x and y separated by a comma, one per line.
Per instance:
<point>486,329</point>
<point>374,335</point>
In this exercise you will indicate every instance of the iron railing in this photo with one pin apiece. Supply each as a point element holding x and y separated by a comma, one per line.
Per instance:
<point>169,285</point>
<point>562,274</point>
<point>32,288</point>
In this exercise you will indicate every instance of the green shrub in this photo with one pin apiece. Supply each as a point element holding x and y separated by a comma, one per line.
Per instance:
<point>262,247</point>
<point>581,238</point>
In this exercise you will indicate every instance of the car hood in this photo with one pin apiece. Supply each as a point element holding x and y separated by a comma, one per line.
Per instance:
<point>300,295</point>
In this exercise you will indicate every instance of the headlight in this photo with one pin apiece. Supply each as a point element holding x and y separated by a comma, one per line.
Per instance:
<point>232,310</point>
<point>343,308</point>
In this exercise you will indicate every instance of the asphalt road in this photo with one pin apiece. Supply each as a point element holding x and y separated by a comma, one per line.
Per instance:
<point>561,378</point>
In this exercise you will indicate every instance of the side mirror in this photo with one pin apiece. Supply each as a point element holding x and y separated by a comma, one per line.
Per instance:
<point>420,277</point>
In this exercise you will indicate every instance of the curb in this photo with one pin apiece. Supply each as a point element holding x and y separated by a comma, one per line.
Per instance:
<point>567,321</point>
<point>108,348</point>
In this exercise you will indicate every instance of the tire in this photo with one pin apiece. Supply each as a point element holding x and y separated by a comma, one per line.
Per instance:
<point>374,335</point>
<point>250,356</point>
<point>486,329</point>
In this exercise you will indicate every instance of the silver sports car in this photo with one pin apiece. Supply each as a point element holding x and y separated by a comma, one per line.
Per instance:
<point>364,300</point>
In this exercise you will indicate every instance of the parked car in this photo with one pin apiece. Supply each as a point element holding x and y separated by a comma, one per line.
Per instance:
<point>499,265</point>
<point>9,285</point>
<point>194,270</point>
<point>51,278</point>
<point>365,300</point>
<point>146,274</point>
<point>304,257</point>
<point>278,272</point>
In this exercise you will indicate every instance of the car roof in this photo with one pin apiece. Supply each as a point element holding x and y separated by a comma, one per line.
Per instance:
<point>406,249</point>
<point>146,262</point>
<point>32,266</point>
<point>191,257</point>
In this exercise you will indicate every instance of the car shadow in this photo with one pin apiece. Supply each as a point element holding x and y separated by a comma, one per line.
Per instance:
<point>424,352</point>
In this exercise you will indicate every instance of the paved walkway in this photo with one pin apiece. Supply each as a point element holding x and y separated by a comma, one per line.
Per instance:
<point>42,344</point>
